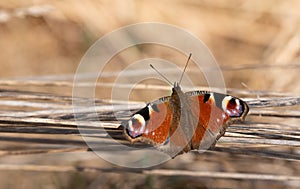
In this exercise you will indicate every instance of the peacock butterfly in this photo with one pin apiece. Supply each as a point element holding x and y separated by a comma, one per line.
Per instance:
<point>182,122</point>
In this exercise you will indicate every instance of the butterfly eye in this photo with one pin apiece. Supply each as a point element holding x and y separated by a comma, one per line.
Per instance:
<point>232,104</point>
<point>233,107</point>
<point>136,126</point>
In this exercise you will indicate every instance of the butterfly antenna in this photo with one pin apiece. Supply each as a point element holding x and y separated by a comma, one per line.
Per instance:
<point>186,64</point>
<point>161,74</point>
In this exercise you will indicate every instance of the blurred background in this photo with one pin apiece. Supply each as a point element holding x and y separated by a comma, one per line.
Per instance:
<point>254,42</point>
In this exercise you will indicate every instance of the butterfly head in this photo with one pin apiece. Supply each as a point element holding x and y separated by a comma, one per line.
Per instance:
<point>176,88</point>
<point>177,93</point>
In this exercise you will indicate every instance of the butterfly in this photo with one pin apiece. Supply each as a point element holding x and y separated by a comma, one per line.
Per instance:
<point>183,122</point>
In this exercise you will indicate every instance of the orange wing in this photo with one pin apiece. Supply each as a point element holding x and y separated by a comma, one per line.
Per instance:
<point>151,124</point>
<point>211,123</point>
<point>158,126</point>
<point>214,112</point>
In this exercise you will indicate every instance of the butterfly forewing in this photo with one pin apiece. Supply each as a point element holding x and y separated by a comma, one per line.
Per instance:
<point>158,126</point>
<point>215,112</point>
<point>157,117</point>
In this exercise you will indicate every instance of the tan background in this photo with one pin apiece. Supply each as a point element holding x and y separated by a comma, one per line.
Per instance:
<point>50,37</point>
<point>255,42</point>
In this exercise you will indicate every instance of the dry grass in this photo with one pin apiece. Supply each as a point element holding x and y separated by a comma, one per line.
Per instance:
<point>39,137</point>
<point>254,42</point>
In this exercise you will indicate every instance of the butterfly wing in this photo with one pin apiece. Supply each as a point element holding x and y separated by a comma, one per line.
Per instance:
<point>196,120</point>
<point>150,124</point>
<point>214,112</point>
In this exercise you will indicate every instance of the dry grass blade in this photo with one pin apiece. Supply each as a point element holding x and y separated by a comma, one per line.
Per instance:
<point>160,172</point>
<point>222,175</point>
<point>57,118</point>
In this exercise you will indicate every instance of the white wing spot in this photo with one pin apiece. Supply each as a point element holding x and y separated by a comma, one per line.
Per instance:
<point>212,97</point>
<point>150,109</point>
<point>225,102</point>
<point>223,116</point>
